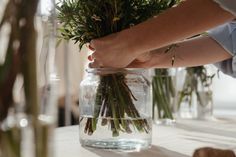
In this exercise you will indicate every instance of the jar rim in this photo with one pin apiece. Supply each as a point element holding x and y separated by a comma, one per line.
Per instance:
<point>114,70</point>
<point>170,72</point>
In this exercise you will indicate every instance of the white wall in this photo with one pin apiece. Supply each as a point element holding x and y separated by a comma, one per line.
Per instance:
<point>224,94</point>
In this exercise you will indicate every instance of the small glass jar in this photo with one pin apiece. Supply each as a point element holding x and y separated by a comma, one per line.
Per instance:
<point>195,96</point>
<point>164,96</point>
<point>115,109</point>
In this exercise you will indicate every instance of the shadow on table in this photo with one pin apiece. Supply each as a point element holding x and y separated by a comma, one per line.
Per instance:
<point>154,151</point>
<point>199,131</point>
<point>221,143</point>
<point>221,129</point>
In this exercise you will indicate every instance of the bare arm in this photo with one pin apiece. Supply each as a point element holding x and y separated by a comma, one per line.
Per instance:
<point>193,52</point>
<point>189,18</point>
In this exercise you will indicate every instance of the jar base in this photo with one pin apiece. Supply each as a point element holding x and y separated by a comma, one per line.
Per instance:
<point>165,121</point>
<point>121,145</point>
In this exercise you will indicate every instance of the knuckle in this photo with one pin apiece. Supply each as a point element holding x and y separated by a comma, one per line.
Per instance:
<point>94,43</point>
<point>95,55</point>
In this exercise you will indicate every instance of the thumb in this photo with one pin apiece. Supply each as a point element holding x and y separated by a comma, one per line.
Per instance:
<point>144,57</point>
<point>137,64</point>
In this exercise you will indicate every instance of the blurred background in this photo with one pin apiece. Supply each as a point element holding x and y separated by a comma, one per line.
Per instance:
<point>71,63</point>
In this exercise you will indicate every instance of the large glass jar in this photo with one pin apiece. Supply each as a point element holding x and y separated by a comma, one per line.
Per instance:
<point>115,109</point>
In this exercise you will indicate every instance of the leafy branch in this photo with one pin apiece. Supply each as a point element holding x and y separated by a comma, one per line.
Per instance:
<point>84,20</point>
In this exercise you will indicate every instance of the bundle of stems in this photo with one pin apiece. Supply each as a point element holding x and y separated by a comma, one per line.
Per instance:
<point>114,99</point>
<point>196,80</point>
<point>84,20</point>
<point>163,94</point>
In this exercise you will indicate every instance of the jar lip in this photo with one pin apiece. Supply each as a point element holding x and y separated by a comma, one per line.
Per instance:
<point>169,72</point>
<point>114,70</point>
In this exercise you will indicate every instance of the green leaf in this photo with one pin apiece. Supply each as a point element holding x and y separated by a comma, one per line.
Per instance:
<point>95,18</point>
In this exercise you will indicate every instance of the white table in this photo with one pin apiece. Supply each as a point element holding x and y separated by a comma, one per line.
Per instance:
<point>168,141</point>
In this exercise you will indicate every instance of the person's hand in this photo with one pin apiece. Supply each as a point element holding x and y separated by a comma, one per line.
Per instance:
<point>141,61</point>
<point>211,152</point>
<point>156,58</point>
<point>114,51</point>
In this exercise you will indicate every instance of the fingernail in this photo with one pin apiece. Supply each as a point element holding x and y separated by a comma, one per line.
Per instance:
<point>90,58</point>
<point>91,48</point>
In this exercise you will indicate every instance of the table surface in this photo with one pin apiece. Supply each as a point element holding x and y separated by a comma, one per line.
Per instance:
<point>179,140</point>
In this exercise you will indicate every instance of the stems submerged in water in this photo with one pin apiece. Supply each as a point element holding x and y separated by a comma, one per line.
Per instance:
<point>163,94</point>
<point>114,104</point>
<point>196,80</point>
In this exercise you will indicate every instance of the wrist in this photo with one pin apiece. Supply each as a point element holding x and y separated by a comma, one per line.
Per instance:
<point>130,40</point>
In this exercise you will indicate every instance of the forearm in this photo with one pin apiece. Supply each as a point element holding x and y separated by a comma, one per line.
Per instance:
<point>194,52</point>
<point>189,18</point>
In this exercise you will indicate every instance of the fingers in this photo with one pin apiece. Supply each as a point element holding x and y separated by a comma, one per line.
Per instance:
<point>92,45</point>
<point>90,58</point>
<point>108,56</point>
<point>210,152</point>
<point>95,64</point>
<point>94,55</point>
<point>94,58</point>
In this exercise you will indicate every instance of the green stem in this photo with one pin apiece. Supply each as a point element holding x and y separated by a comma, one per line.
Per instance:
<point>114,101</point>
<point>11,142</point>
<point>162,96</point>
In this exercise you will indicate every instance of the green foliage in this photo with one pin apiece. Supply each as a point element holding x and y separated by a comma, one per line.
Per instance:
<point>84,20</point>
<point>196,77</point>
<point>164,91</point>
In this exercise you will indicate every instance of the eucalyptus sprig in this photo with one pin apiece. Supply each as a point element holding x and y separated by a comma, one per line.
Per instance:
<point>84,20</point>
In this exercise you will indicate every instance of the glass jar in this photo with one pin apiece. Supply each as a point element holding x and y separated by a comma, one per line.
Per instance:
<point>115,109</point>
<point>164,96</point>
<point>47,78</point>
<point>195,98</point>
